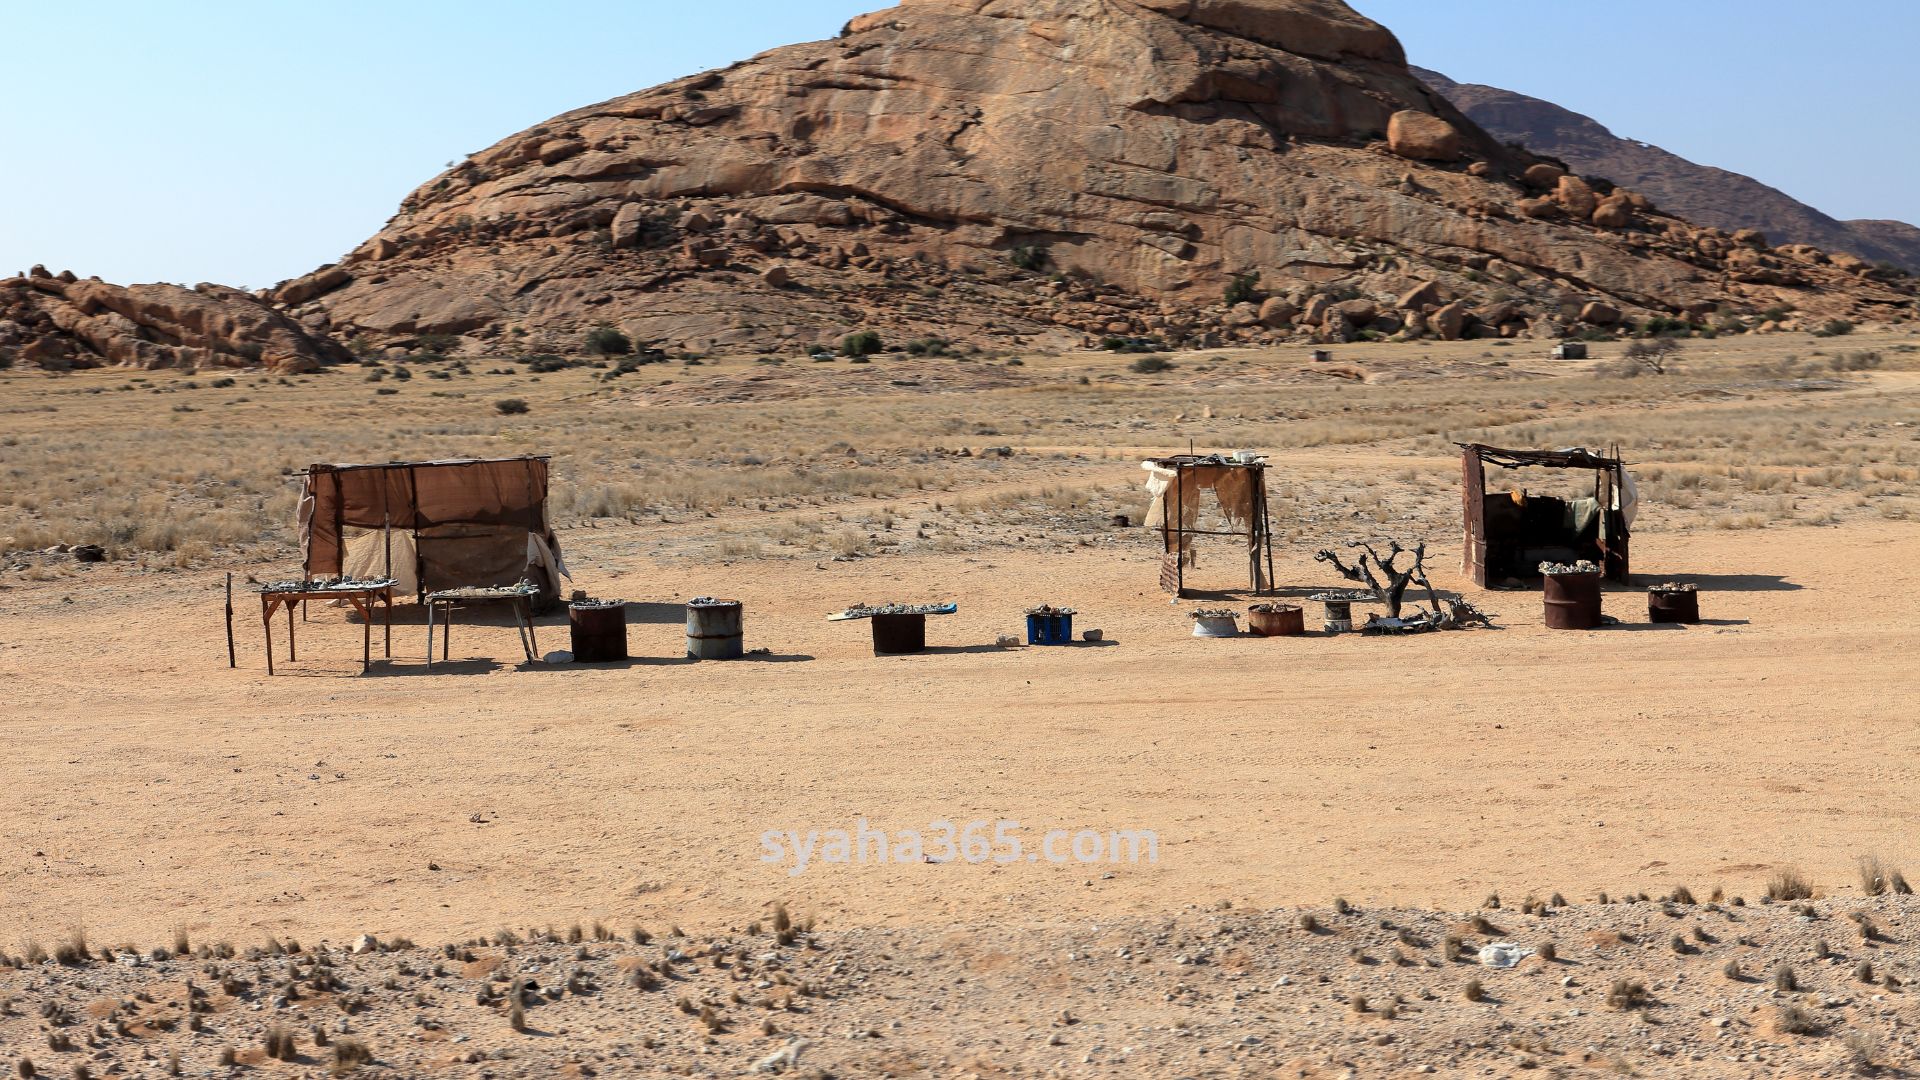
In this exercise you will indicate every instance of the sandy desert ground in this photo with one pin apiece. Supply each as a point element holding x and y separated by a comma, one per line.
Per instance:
<point>154,789</point>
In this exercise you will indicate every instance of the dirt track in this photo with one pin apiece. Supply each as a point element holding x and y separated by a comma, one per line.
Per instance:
<point>153,787</point>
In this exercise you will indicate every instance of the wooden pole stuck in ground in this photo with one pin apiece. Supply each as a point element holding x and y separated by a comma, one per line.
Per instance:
<point>231,662</point>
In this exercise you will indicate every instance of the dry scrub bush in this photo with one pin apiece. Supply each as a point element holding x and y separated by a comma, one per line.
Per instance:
<point>1787,884</point>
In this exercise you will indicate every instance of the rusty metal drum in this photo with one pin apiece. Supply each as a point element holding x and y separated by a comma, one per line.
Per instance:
<point>1668,604</point>
<point>1276,620</point>
<point>716,629</point>
<point>598,630</point>
<point>1572,601</point>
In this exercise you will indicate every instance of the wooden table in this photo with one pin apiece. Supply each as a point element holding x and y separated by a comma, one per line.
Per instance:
<point>360,595</point>
<point>447,601</point>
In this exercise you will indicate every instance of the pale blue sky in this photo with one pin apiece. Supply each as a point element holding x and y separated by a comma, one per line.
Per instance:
<point>248,142</point>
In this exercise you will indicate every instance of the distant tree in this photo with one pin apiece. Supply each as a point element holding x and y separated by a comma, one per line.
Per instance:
<point>1243,289</point>
<point>1655,354</point>
<point>864,343</point>
<point>1031,259</point>
<point>608,341</point>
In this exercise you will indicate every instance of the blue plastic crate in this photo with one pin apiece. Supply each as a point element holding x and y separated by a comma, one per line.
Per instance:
<point>1050,629</point>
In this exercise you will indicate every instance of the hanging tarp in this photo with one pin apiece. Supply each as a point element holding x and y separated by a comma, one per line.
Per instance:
<point>468,521</point>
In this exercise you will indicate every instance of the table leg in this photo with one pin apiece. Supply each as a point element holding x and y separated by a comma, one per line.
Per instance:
<point>429,634</point>
<point>290,645</point>
<point>534,641</point>
<point>446,634</point>
<point>266,620</point>
<point>366,642</point>
<point>389,624</point>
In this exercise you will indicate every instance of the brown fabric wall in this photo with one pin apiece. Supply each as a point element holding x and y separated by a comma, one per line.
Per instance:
<point>418,497</point>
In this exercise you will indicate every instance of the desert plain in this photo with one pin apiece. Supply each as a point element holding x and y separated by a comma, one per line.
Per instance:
<point>156,794</point>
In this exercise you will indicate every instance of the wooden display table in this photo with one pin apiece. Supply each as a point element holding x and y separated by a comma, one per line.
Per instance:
<point>447,601</point>
<point>360,595</point>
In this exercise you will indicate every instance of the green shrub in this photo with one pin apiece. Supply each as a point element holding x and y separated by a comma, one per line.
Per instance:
<point>1030,259</point>
<point>608,341</point>
<point>1243,289</point>
<point>545,362</point>
<point>1660,326</point>
<point>402,372</point>
<point>512,406</point>
<point>864,343</point>
<point>1835,328</point>
<point>929,347</point>
<point>438,343</point>
<point>1150,365</point>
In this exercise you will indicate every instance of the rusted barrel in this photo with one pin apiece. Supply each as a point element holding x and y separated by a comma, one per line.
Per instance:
<point>1573,601</point>
<point>896,635</point>
<point>715,629</point>
<point>599,631</point>
<point>1276,620</point>
<point>1666,605</point>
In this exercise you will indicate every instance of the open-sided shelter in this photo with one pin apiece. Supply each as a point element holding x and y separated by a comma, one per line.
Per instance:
<point>432,525</point>
<point>1179,487</point>
<point>1510,533</point>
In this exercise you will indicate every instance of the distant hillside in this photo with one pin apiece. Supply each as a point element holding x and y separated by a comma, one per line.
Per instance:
<point>1698,193</point>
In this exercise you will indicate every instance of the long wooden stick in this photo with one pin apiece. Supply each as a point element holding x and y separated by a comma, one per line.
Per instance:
<point>231,661</point>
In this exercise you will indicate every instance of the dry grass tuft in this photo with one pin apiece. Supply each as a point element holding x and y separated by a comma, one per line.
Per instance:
<point>1879,879</point>
<point>1681,895</point>
<point>1864,923</point>
<point>1474,991</point>
<point>73,950</point>
<point>1791,1019</point>
<point>350,1054</point>
<point>1627,994</point>
<point>1787,884</point>
<point>1548,951</point>
<point>1732,971</point>
<point>1863,1052</point>
<point>1784,980</point>
<point>279,1044</point>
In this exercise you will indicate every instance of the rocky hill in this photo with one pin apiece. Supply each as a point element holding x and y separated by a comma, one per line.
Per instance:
<point>60,322</point>
<point>1699,193</point>
<point>1046,172</point>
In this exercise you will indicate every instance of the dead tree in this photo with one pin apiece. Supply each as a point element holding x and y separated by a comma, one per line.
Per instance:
<point>1657,355</point>
<point>1394,591</point>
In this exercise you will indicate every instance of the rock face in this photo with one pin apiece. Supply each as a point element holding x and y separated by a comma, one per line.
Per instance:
<point>62,322</point>
<point>1699,193</point>
<point>1017,172</point>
